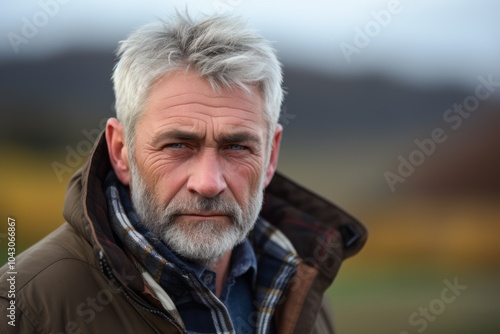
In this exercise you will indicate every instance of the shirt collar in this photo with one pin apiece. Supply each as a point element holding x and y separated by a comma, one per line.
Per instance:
<point>243,259</point>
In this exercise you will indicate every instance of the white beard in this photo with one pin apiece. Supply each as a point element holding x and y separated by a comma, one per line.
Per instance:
<point>202,242</point>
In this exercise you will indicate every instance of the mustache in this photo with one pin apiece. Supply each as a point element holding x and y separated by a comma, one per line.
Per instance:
<point>217,204</point>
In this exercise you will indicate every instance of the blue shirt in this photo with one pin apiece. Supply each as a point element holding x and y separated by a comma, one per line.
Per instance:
<point>237,294</point>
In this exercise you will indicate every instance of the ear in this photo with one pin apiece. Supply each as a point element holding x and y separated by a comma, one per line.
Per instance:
<point>118,154</point>
<point>275,151</point>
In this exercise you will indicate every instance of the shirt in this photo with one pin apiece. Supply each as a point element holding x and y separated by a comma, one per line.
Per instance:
<point>237,294</point>
<point>188,296</point>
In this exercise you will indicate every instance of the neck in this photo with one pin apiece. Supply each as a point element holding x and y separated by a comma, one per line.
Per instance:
<point>221,269</point>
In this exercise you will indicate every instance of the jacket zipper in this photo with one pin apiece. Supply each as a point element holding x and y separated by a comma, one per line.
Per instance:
<point>105,268</point>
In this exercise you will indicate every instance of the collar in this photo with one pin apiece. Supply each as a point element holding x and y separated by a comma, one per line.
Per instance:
<point>194,298</point>
<point>243,261</point>
<point>322,233</point>
<point>151,251</point>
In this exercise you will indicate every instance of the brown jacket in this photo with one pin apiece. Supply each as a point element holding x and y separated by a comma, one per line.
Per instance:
<point>79,280</point>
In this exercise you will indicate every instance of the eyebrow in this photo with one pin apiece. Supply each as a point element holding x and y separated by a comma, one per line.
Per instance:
<point>238,137</point>
<point>176,134</point>
<point>234,137</point>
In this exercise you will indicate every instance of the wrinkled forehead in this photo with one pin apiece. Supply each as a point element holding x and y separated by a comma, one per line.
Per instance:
<point>181,86</point>
<point>185,98</point>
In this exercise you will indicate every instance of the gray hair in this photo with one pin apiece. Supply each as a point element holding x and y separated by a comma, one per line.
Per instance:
<point>221,49</point>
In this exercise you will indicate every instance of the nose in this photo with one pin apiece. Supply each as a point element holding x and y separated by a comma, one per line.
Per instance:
<point>206,178</point>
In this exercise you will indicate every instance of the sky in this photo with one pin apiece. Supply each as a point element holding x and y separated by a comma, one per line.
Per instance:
<point>425,42</point>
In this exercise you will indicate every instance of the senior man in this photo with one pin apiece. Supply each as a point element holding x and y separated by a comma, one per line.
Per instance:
<point>178,222</point>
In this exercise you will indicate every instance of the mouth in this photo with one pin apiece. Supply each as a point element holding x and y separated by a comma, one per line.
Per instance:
<point>198,217</point>
<point>204,214</point>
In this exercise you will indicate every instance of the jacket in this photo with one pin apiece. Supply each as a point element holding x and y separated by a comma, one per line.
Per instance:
<point>79,280</point>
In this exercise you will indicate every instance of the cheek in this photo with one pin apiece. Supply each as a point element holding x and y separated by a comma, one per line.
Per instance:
<point>243,179</point>
<point>164,177</point>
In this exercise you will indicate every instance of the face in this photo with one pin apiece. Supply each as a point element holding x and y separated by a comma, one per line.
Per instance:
<point>200,165</point>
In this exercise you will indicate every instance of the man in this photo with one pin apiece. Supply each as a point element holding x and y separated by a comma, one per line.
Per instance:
<point>166,228</point>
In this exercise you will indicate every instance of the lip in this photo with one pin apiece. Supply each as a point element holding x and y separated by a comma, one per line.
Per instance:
<point>204,214</point>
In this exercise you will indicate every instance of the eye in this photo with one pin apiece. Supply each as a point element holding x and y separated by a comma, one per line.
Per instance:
<point>175,145</point>
<point>237,147</point>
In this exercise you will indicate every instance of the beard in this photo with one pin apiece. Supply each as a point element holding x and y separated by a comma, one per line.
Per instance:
<point>203,242</point>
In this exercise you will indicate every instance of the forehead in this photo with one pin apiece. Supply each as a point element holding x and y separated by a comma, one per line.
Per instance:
<point>186,96</point>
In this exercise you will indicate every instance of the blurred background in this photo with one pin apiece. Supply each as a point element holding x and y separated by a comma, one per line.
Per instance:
<point>392,112</point>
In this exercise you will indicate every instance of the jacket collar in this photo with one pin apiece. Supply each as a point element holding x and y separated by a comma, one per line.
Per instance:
<point>323,234</point>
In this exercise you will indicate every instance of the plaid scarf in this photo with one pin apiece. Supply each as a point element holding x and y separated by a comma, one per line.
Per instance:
<point>189,297</point>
